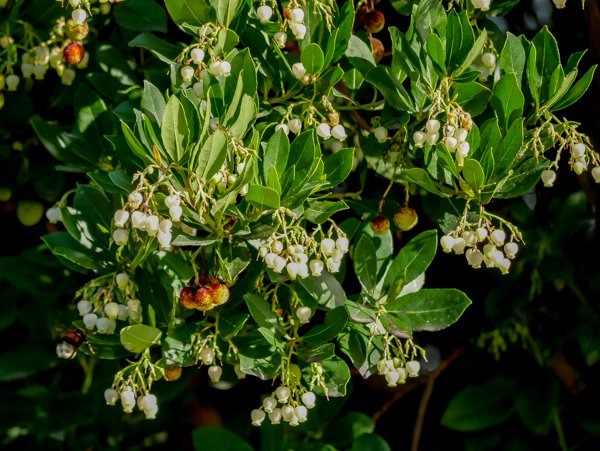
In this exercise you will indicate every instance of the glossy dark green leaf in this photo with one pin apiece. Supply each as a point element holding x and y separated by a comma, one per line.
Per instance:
<point>320,211</point>
<point>365,262</point>
<point>312,58</point>
<point>141,15</point>
<point>473,173</point>
<point>263,198</point>
<point>335,321</point>
<point>218,438</point>
<point>507,100</point>
<point>430,309</point>
<point>325,289</point>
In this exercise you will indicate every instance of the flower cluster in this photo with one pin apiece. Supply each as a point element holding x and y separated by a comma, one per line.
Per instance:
<point>483,5</point>
<point>579,160</point>
<point>396,370</point>
<point>104,308</point>
<point>302,259</point>
<point>284,404</point>
<point>143,219</point>
<point>146,403</point>
<point>454,134</point>
<point>293,21</point>
<point>484,245</point>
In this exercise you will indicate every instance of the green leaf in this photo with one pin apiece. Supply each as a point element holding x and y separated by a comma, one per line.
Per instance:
<point>141,15</point>
<point>459,38</point>
<point>507,100</point>
<point>547,58</point>
<point>535,404</point>
<point>212,438</point>
<point>139,337</point>
<point>263,198</point>
<point>276,154</point>
<point>575,93</point>
<point>474,52</point>
<point>135,145</point>
<point>365,262</point>
<point>473,97</point>
<point>353,79</point>
<point>226,10</point>
<point>509,147</point>
<point>437,52</point>
<point>512,57</point>
<point>533,77</point>
<point>393,91</point>
<point>370,442</point>
<point>473,173</point>
<point>212,155</point>
<point>72,254</point>
<point>325,289</point>
<point>526,173</point>
<point>153,103</point>
<point>163,50</point>
<point>338,166</point>
<point>335,321</point>
<point>175,129</point>
<point>478,407</point>
<point>364,349</point>
<point>412,261</point>
<point>234,257</point>
<point>336,375</point>
<point>419,176</point>
<point>320,211</point>
<point>94,205</point>
<point>312,58</point>
<point>230,323</point>
<point>193,12</point>
<point>359,54</point>
<point>261,312</point>
<point>430,309</point>
<point>25,361</point>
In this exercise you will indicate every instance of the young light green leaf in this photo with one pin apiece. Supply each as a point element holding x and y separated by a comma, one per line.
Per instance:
<point>139,337</point>
<point>312,58</point>
<point>174,130</point>
<point>263,198</point>
<point>473,173</point>
<point>212,155</point>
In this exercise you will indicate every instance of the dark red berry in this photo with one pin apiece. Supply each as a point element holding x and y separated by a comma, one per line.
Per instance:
<point>220,293</point>
<point>73,53</point>
<point>380,225</point>
<point>373,21</point>
<point>203,299</point>
<point>186,297</point>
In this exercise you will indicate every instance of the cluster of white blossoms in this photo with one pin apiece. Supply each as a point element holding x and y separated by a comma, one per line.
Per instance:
<point>144,220</point>
<point>304,259</point>
<point>284,405</point>
<point>294,125</point>
<point>326,131</point>
<point>103,316</point>
<point>293,20</point>
<point>482,246</point>
<point>396,370</point>
<point>146,403</point>
<point>207,357</point>
<point>579,161</point>
<point>454,135</point>
<point>199,69</point>
<point>224,179</point>
<point>483,5</point>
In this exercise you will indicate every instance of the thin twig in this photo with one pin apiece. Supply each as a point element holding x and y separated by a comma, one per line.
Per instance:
<point>418,430</point>
<point>407,388</point>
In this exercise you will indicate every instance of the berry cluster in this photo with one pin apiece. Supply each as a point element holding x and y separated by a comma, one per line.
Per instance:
<point>495,252</point>
<point>204,293</point>
<point>304,259</point>
<point>101,311</point>
<point>293,409</point>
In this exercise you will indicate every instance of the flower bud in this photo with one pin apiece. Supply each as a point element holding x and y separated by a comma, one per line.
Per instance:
<point>106,325</point>
<point>175,212</point>
<point>458,246</point>
<point>419,138</point>
<point>275,416</point>
<point>380,134</point>
<point>135,199</point>
<point>283,394</point>
<point>197,55</point>
<point>283,127</point>
<point>151,224</point>
<point>489,60</point>
<point>295,126</point>
<point>67,77</point>
<point>296,15</point>
<point>128,400</point>
<point>79,15</point>
<point>596,174</point>
<point>90,320</point>
<point>53,215</point>
<point>187,73</point>
<point>392,377</point>
<point>111,310</point>
<point>338,132</point>
<point>214,373</point>
<point>121,217</point>
<point>498,236</point>
<point>225,68</point>
<point>299,70</point>
<point>207,355</point>
<point>257,416</point>
<point>412,368</point>
<point>316,267</point>
<point>12,82</point>
<point>309,399</point>
<point>474,258</point>
<point>123,312</point>
<point>324,130</point>
<point>120,236</point>
<point>447,242</point>
<point>84,307</point>
<point>264,12</point>
<point>327,246</point>
<point>280,39</point>
<point>579,167</point>
<point>298,30</point>
<point>511,249</point>
<point>432,126</point>
<point>303,314</point>
<point>111,396</point>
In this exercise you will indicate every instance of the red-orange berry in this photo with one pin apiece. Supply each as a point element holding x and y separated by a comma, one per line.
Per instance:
<point>73,53</point>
